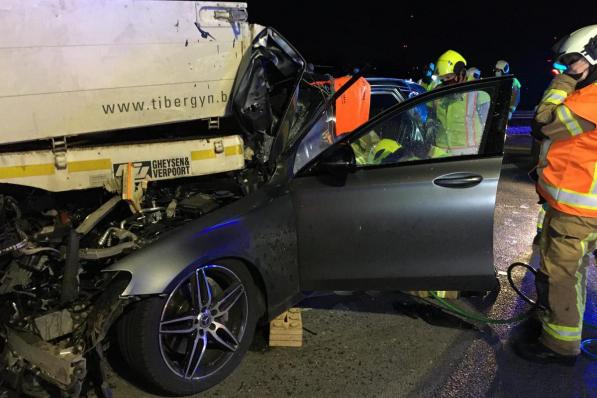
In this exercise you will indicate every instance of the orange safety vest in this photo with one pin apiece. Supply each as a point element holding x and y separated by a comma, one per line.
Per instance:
<point>569,181</point>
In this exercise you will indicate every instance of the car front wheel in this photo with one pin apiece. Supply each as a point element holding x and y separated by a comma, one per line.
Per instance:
<point>194,338</point>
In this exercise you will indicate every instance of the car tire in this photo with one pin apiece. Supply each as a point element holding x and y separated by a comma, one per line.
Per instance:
<point>150,344</point>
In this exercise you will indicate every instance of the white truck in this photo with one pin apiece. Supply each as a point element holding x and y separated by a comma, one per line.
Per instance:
<point>74,68</point>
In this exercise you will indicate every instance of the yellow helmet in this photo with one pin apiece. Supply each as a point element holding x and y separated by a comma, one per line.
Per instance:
<point>382,150</point>
<point>448,61</point>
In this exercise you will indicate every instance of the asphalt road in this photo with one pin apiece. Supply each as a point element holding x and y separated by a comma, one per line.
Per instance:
<point>371,344</point>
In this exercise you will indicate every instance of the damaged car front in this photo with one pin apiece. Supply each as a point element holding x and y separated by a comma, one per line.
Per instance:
<point>65,254</point>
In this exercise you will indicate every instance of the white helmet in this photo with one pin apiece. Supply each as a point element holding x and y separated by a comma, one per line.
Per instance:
<point>582,41</point>
<point>473,73</point>
<point>501,68</point>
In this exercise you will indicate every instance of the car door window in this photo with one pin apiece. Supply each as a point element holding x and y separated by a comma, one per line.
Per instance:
<point>445,127</point>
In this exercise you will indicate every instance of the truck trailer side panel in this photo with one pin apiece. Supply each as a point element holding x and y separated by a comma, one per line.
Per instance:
<point>79,66</point>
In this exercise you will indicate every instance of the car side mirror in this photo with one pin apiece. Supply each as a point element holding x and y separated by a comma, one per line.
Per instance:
<point>339,161</point>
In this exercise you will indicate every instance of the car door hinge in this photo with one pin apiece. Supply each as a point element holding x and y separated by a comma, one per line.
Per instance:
<point>59,148</point>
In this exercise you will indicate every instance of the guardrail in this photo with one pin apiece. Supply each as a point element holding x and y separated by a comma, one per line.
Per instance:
<point>523,115</point>
<point>520,123</point>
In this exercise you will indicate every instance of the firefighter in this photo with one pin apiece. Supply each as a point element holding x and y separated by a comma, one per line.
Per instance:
<point>473,73</point>
<point>503,68</point>
<point>567,116</point>
<point>460,114</point>
<point>429,79</point>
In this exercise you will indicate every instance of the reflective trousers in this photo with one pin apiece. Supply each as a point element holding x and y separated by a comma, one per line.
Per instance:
<point>561,280</point>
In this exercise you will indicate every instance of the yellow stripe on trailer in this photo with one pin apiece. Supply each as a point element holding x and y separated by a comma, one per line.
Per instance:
<point>203,154</point>
<point>89,165</point>
<point>211,154</point>
<point>233,150</point>
<point>31,170</point>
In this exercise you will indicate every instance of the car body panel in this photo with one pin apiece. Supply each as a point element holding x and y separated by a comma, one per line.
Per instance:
<point>258,229</point>
<point>393,228</point>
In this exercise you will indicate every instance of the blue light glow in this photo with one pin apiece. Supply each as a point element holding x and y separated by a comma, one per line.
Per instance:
<point>518,130</point>
<point>217,226</point>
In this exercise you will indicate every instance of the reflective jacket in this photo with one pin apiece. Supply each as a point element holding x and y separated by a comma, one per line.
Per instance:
<point>462,117</point>
<point>568,163</point>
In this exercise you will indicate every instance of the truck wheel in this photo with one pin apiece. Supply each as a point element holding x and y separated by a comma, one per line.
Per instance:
<point>194,338</point>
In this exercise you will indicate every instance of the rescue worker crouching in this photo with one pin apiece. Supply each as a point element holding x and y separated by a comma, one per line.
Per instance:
<point>567,118</point>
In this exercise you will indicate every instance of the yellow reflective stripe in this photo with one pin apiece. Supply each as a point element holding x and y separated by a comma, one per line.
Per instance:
<point>88,165</point>
<point>203,154</point>
<point>471,110</point>
<point>579,288</point>
<point>565,196</point>
<point>31,170</point>
<point>594,184</point>
<point>565,116</point>
<point>210,153</point>
<point>233,150</point>
<point>554,96</point>
<point>551,329</point>
<point>540,218</point>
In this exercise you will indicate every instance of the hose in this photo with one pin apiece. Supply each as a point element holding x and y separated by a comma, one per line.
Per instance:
<point>476,316</point>
<point>588,347</point>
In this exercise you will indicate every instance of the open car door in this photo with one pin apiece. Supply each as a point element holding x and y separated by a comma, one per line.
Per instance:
<point>407,200</point>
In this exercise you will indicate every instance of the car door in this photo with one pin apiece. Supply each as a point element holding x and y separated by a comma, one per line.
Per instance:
<point>412,214</point>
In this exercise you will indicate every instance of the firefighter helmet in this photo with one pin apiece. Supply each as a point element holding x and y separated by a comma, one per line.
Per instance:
<point>382,150</point>
<point>501,68</point>
<point>473,73</point>
<point>450,62</point>
<point>582,42</point>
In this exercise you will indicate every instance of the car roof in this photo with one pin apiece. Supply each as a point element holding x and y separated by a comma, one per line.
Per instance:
<point>407,88</point>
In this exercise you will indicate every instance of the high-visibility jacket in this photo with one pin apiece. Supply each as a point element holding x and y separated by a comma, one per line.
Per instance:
<point>569,180</point>
<point>462,122</point>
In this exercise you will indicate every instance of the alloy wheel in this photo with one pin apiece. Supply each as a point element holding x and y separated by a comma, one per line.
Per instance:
<point>203,322</point>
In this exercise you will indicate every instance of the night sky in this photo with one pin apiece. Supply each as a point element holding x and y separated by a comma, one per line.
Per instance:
<point>398,38</point>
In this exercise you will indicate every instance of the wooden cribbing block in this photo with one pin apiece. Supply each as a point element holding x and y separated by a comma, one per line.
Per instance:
<point>286,330</point>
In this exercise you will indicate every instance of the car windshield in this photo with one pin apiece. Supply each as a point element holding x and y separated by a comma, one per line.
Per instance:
<point>306,103</point>
<point>321,136</point>
<point>351,110</point>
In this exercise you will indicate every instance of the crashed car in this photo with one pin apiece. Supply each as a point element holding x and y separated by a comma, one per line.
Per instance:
<point>178,272</point>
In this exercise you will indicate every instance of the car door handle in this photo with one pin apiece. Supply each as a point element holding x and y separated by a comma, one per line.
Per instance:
<point>458,180</point>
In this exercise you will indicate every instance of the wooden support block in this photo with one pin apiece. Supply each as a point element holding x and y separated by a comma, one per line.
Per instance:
<point>286,330</point>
